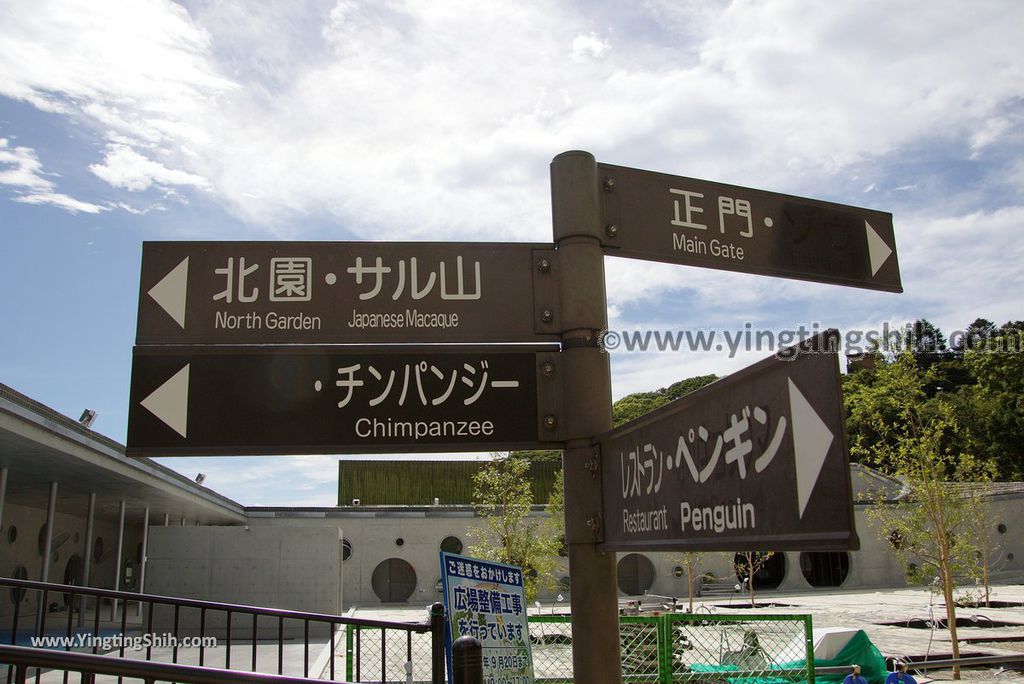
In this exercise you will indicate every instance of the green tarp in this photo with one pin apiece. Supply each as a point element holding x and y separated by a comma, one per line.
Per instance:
<point>861,651</point>
<point>858,649</point>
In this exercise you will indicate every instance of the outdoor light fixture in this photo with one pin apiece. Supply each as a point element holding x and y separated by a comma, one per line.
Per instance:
<point>88,418</point>
<point>200,478</point>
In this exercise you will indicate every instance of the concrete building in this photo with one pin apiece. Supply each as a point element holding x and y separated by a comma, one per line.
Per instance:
<point>75,509</point>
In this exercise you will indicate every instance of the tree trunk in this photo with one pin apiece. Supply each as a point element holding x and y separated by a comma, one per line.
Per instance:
<point>987,553</point>
<point>689,585</point>
<point>750,578</point>
<point>947,592</point>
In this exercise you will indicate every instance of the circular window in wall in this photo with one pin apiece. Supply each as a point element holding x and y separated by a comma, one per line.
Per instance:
<point>393,580</point>
<point>399,542</point>
<point>1001,528</point>
<point>825,569</point>
<point>451,545</point>
<point>635,574</point>
<point>346,550</point>
<point>12,534</point>
<point>769,574</point>
<point>18,593</point>
<point>97,549</point>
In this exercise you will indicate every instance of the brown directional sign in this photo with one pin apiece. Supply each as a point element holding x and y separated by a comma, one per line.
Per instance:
<point>659,217</point>
<point>756,461</point>
<point>346,293</point>
<point>224,400</point>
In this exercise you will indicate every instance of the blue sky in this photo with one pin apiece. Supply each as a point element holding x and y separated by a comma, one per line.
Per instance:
<point>150,120</point>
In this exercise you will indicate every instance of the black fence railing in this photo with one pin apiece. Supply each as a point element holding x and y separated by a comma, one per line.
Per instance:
<point>231,622</point>
<point>22,659</point>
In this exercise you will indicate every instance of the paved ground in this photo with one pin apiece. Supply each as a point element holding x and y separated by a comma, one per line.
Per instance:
<point>870,611</point>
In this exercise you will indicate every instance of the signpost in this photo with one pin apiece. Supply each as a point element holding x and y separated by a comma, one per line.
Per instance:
<point>658,217</point>
<point>757,460</point>
<point>485,600</point>
<point>346,293</point>
<point>294,400</point>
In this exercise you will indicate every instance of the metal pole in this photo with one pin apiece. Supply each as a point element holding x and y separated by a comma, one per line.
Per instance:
<point>117,560</point>
<point>467,661</point>
<point>90,517</point>
<point>3,495</point>
<point>145,550</point>
<point>586,383</point>
<point>51,511</point>
<point>437,654</point>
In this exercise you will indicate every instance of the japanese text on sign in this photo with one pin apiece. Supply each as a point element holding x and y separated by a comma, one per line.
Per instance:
<point>644,466</point>
<point>485,600</point>
<point>291,279</point>
<point>438,390</point>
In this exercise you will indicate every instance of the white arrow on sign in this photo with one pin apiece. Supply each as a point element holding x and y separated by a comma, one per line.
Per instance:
<point>877,249</point>
<point>170,292</point>
<point>169,402</point>
<point>811,442</point>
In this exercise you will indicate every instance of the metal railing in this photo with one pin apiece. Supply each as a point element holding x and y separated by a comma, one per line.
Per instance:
<point>24,658</point>
<point>227,615</point>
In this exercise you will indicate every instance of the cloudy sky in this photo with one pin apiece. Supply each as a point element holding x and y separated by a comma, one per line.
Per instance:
<point>399,120</point>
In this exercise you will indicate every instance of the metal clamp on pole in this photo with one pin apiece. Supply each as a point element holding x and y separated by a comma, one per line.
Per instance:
<point>467,661</point>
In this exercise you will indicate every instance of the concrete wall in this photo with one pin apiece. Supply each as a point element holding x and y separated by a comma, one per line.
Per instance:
<point>874,565</point>
<point>295,568</point>
<point>374,539</point>
<point>24,551</point>
<point>292,559</point>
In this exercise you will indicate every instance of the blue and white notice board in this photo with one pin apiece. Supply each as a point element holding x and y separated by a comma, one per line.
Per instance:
<point>485,600</point>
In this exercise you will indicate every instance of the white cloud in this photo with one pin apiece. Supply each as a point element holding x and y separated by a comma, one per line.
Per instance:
<point>21,169</point>
<point>406,118</point>
<point>125,168</point>
<point>589,46</point>
<point>60,201</point>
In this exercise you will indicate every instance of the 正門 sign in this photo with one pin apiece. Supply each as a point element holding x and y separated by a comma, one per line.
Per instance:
<point>223,400</point>
<point>346,293</point>
<point>485,600</point>
<point>660,217</point>
<point>757,460</point>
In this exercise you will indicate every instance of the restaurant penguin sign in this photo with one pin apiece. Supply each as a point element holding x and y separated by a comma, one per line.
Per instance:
<point>485,600</point>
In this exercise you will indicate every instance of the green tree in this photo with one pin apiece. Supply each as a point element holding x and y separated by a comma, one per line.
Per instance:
<point>976,334</point>
<point>509,530</point>
<point>934,522</point>
<point>690,561</point>
<point>638,404</point>
<point>926,342</point>
<point>980,527</point>
<point>994,405</point>
<point>747,566</point>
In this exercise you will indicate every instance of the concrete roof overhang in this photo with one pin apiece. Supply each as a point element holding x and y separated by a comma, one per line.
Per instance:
<point>39,445</point>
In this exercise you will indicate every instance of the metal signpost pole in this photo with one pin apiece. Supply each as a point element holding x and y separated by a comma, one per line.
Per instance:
<point>586,383</point>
